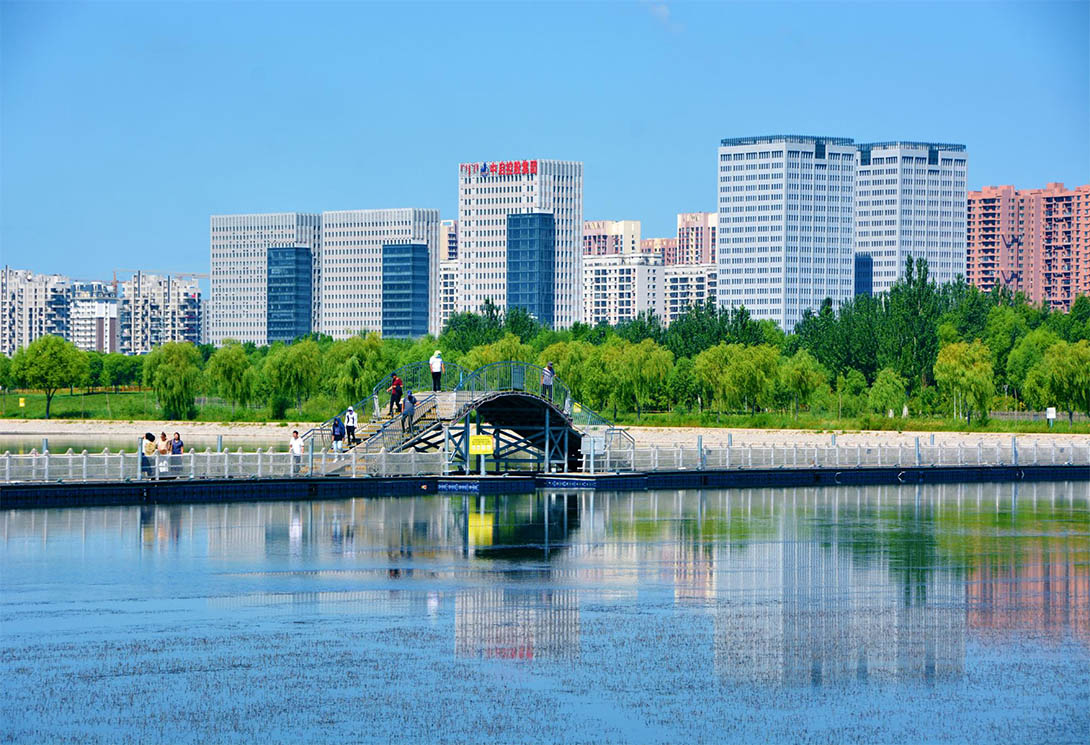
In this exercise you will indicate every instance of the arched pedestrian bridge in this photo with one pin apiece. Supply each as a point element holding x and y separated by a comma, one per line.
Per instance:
<point>531,427</point>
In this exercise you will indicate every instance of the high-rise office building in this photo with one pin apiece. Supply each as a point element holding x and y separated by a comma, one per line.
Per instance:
<point>684,286</point>
<point>156,309</point>
<point>240,269</point>
<point>448,240</point>
<point>93,317</point>
<point>618,287</point>
<point>910,201</point>
<point>610,237</point>
<point>351,273</point>
<point>531,264</point>
<point>785,224</point>
<point>1035,241</point>
<point>490,191</point>
<point>406,281</point>
<point>289,293</point>
<point>695,239</point>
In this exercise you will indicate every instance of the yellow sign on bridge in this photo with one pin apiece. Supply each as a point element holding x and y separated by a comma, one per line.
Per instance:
<point>480,444</point>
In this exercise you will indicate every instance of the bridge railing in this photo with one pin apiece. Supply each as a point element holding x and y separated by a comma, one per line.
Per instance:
<point>512,375</point>
<point>415,376</point>
<point>400,429</point>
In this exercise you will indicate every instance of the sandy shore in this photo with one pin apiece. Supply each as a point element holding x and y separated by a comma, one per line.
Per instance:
<point>644,436</point>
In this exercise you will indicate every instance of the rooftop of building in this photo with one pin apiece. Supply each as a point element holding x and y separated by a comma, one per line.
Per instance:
<point>953,147</point>
<point>770,139</point>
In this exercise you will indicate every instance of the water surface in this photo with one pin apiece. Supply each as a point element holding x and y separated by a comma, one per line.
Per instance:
<point>871,614</point>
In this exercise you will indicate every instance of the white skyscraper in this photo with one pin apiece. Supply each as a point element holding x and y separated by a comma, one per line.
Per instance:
<point>910,200</point>
<point>490,191</point>
<point>239,271</point>
<point>785,224</point>
<point>351,265</point>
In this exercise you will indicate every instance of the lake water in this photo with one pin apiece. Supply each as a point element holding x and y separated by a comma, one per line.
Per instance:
<point>957,613</point>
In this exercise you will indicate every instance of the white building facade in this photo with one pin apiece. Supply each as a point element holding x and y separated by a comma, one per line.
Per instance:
<point>34,305</point>
<point>785,238</point>
<point>490,191</point>
<point>156,309</point>
<point>618,287</point>
<point>93,317</point>
<point>448,291</point>
<point>686,285</point>
<point>910,200</point>
<point>238,305</point>
<point>350,284</point>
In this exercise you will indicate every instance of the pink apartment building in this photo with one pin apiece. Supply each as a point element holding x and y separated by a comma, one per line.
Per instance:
<point>664,247</point>
<point>695,238</point>
<point>1036,241</point>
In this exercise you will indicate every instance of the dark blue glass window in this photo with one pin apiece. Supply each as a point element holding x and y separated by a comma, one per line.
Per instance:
<point>864,274</point>
<point>289,291</point>
<point>404,290</point>
<point>531,264</point>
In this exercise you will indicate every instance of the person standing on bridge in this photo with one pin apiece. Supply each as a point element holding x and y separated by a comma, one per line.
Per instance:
<point>395,395</point>
<point>296,447</point>
<point>350,421</point>
<point>338,435</point>
<point>547,376</point>
<point>407,413</point>
<point>437,370</point>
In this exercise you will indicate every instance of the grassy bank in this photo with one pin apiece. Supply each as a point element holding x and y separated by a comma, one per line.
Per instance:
<point>141,405</point>
<point>819,423</point>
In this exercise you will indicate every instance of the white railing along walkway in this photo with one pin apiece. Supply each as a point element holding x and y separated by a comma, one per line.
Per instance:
<point>1013,453</point>
<point>106,466</point>
<point>119,466</point>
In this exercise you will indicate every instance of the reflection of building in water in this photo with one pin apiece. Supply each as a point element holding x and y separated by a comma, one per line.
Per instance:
<point>798,610</point>
<point>519,624</point>
<point>237,530</point>
<point>1042,587</point>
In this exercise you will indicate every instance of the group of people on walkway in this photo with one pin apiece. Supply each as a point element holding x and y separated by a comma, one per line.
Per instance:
<point>162,454</point>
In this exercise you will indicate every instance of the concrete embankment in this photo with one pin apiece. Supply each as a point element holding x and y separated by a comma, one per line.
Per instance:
<point>38,495</point>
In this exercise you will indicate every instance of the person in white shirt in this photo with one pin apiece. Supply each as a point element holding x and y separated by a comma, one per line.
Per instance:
<point>296,447</point>
<point>437,368</point>
<point>350,425</point>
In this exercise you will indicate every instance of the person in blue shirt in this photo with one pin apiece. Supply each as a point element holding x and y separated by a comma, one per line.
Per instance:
<point>338,435</point>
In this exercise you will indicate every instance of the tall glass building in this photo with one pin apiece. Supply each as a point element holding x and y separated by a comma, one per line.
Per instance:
<point>289,293</point>
<point>531,264</point>
<point>405,273</point>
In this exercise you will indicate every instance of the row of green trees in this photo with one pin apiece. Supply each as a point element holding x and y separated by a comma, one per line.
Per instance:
<point>948,350</point>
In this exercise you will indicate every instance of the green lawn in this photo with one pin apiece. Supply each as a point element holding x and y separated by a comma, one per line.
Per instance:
<point>134,405</point>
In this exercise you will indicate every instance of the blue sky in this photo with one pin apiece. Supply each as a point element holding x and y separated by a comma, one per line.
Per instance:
<point>125,125</point>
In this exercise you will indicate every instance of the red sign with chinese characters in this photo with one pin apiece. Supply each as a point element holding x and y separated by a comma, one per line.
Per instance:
<point>501,168</point>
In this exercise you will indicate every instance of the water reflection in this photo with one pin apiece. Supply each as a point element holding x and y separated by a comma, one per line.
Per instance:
<point>712,592</point>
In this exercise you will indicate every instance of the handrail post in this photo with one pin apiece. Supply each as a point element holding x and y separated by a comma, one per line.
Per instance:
<point>45,454</point>
<point>84,465</point>
<point>7,465</point>
<point>192,464</point>
<point>259,462</point>
<point>353,463</point>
